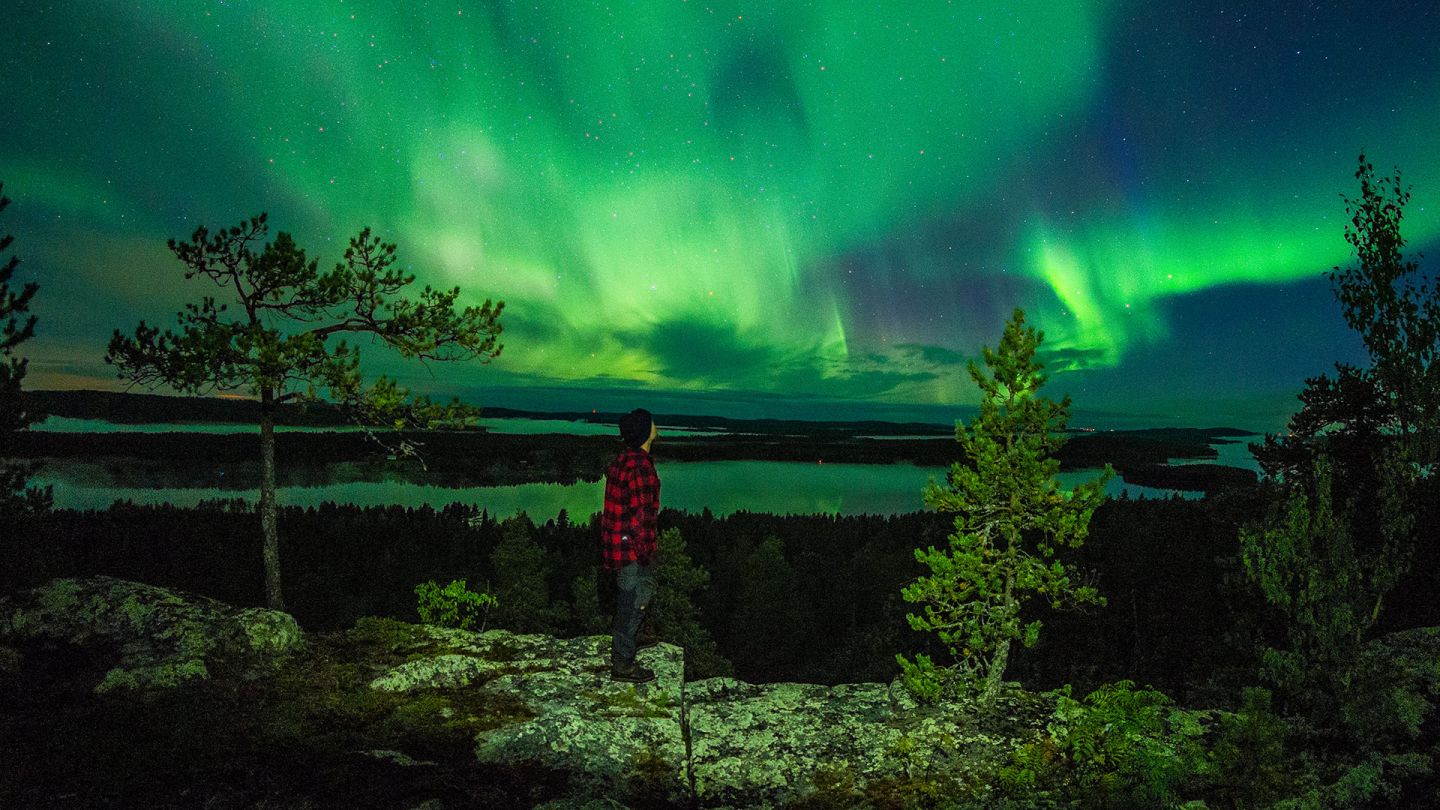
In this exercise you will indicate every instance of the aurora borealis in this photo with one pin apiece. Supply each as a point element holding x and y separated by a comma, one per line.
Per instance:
<point>742,208</point>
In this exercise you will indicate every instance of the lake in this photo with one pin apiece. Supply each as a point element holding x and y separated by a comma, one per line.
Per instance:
<point>779,487</point>
<point>1236,454</point>
<point>724,487</point>
<point>65,424</point>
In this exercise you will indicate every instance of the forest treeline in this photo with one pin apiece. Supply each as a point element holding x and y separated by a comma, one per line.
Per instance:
<point>135,408</point>
<point>788,598</point>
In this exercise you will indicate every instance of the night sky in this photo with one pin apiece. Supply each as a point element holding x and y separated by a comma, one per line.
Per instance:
<point>810,209</point>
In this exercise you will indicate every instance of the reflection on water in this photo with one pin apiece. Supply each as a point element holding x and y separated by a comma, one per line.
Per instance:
<point>1234,454</point>
<point>65,424</point>
<point>530,427</point>
<point>778,487</point>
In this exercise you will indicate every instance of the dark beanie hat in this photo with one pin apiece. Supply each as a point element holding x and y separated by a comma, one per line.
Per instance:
<point>635,427</point>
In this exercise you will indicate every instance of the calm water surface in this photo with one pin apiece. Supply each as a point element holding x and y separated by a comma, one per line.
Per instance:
<point>1236,454</point>
<point>64,424</point>
<point>724,487</point>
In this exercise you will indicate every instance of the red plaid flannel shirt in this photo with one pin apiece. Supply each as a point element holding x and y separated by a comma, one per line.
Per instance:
<point>632,502</point>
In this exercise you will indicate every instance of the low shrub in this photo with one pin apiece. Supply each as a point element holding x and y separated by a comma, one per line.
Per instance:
<point>454,605</point>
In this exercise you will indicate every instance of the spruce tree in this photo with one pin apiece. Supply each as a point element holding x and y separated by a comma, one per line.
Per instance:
<point>282,343</point>
<point>676,617</point>
<point>1011,520</point>
<point>765,635</point>
<point>520,587</point>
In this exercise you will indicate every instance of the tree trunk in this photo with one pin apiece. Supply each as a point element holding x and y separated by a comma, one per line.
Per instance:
<point>995,675</point>
<point>268,529</point>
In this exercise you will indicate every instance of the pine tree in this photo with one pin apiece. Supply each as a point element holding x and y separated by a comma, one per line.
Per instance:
<point>278,347</point>
<point>1396,312</point>
<point>1011,520</point>
<point>587,617</point>
<point>1393,406</point>
<point>15,412</point>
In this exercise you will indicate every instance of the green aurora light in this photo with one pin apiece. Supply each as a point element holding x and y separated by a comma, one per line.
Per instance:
<point>818,200</point>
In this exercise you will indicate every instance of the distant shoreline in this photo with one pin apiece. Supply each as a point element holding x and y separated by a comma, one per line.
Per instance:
<point>139,408</point>
<point>479,458</point>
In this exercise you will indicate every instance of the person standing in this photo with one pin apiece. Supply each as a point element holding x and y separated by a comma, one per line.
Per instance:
<point>627,529</point>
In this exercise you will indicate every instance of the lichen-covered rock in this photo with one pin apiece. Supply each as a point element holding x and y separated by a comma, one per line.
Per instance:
<point>444,671</point>
<point>765,745</point>
<point>271,633</point>
<point>620,739</point>
<point>748,745</point>
<point>164,638</point>
<point>426,697</point>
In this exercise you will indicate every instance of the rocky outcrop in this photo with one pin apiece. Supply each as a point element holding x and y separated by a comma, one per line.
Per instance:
<point>616,738</point>
<point>722,742</point>
<point>410,695</point>
<point>159,637</point>
<point>763,745</point>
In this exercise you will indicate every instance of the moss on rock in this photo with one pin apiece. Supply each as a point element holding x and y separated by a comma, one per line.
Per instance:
<point>446,707</point>
<point>810,745</point>
<point>164,638</point>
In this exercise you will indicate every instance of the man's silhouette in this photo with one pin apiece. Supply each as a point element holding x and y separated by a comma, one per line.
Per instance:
<point>627,529</point>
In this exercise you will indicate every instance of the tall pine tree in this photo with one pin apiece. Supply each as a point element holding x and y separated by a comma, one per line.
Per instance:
<point>1012,518</point>
<point>765,637</point>
<point>283,341</point>
<point>1393,405</point>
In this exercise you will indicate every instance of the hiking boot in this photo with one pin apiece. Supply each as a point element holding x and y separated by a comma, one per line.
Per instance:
<point>633,673</point>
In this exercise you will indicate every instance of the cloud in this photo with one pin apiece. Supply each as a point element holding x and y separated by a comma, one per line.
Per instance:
<point>1064,359</point>
<point>695,355</point>
<point>934,355</point>
<point>695,351</point>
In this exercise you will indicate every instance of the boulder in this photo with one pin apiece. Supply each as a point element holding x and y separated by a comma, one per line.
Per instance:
<point>161,638</point>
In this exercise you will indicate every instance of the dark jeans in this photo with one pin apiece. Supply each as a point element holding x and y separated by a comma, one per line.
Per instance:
<point>634,588</point>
